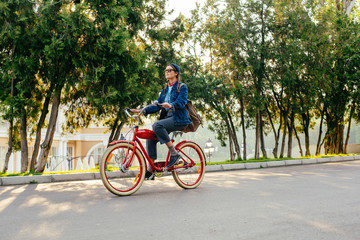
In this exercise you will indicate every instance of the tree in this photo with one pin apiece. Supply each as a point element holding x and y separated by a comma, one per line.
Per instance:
<point>126,77</point>
<point>90,56</point>
<point>209,83</point>
<point>243,38</point>
<point>101,38</point>
<point>20,62</point>
<point>59,57</point>
<point>339,77</point>
<point>294,83</point>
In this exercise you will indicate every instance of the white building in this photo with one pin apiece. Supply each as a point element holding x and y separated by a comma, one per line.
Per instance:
<point>68,152</point>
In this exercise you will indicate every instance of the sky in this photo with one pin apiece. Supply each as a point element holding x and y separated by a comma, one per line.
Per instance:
<point>182,6</point>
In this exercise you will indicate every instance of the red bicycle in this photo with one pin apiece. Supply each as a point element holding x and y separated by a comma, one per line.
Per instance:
<point>123,165</point>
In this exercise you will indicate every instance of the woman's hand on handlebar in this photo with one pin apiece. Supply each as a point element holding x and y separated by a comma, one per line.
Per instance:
<point>166,105</point>
<point>139,111</point>
<point>135,110</point>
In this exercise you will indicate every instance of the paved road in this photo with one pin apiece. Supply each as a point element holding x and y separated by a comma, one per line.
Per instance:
<point>300,202</point>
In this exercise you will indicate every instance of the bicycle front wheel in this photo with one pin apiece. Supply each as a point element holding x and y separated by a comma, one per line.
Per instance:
<point>122,169</point>
<point>190,171</point>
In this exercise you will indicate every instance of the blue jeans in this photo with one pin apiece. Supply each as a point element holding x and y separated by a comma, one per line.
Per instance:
<point>162,128</point>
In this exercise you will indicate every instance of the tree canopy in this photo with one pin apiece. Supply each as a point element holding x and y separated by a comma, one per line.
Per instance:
<point>279,67</point>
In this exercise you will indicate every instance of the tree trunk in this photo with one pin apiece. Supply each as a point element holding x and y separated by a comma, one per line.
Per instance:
<point>243,129</point>
<point>281,112</point>
<point>46,145</point>
<point>276,148</point>
<point>348,6</point>
<point>11,121</point>
<point>40,125</point>
<point>334,139</point>
<point>290,137</point>
<point>306,125</point>
<point>234,136</point>
<point>24,143</point>
<point>276,136</point>
<point>113,130</point>
<point>318,145</point>
<point>260,75</point>
<point>348,130</point>
<point>284,135</point>
<point>10,146</point>
<point>118,130</point>
<point>299,142</point>
<point>231,147</point>
<point>262,141</point>
<point>257,137</point>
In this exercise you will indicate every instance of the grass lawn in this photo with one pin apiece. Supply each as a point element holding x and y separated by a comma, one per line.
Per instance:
<point>276,159</point>
<point>211,163</point>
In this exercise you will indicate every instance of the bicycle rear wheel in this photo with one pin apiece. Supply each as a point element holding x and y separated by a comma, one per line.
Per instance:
<point>190,171</point>
<point>122,169</point>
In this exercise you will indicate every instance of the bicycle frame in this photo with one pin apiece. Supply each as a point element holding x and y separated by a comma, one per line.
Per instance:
<point>129,172</point>
<point>138,145</point>
<point>148,134</point>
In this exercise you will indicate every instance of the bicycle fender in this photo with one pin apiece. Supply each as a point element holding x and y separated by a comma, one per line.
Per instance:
<point>187,141</point>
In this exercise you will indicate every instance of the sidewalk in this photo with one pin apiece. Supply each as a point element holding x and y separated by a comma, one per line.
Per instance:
<point>6,181</point>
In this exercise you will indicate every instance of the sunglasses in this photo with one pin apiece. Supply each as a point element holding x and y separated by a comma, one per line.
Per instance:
<point>169,70</point>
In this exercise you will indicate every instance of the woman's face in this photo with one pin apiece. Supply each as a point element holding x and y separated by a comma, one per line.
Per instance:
<point>170,72</point>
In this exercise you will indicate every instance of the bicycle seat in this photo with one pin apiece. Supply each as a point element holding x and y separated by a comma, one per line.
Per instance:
<point>146,134</point>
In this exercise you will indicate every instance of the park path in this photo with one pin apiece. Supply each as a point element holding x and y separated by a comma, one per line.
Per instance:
<point>319,201</point>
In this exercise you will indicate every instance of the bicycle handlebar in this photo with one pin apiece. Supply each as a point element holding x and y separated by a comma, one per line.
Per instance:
<point>156,103</point>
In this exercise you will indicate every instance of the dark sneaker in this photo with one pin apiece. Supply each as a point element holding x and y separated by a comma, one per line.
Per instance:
<point>149,175</point>
<point>173,160</point>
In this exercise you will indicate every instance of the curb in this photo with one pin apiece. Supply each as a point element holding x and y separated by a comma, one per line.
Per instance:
<point>72,177</point>
<point>20,180</point>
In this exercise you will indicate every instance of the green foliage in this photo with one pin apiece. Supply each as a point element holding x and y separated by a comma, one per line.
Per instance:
<point>268,59</point>
<point>92,50</point>
<point>97,54</point>
<point>120,68</point>
<point>296,58</point>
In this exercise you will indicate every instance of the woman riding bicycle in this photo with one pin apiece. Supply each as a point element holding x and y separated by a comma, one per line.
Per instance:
<point>173,116</point>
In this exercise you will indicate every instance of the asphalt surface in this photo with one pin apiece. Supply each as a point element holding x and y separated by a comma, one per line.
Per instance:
<point>318,201</point>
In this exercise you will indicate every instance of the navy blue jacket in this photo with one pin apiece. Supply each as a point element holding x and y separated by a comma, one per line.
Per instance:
<point>178,101</point>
